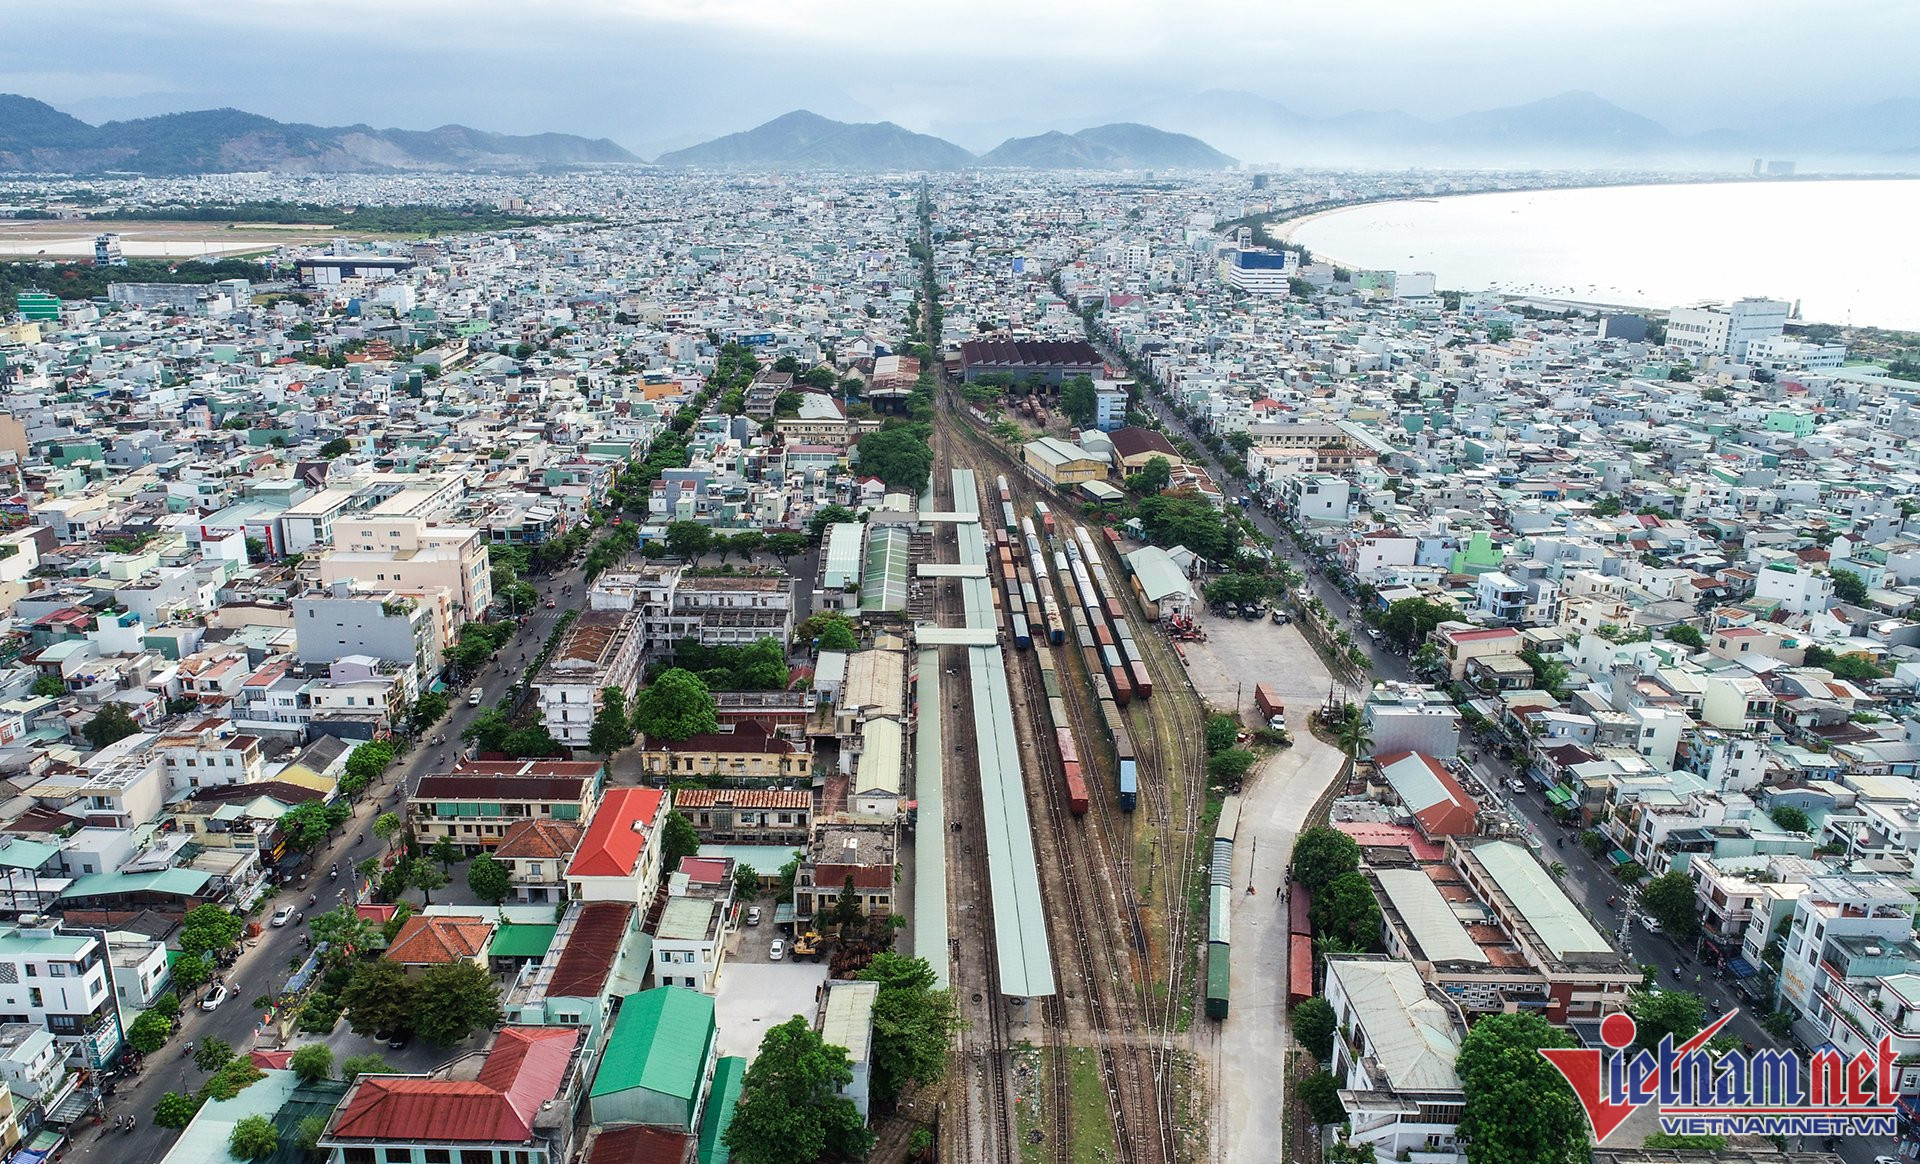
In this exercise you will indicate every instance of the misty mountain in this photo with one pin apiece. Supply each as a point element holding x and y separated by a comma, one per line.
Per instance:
<point>803,140</point>
<point>1574,128</point>
<point>36,137</point>
<point>1120,146</point>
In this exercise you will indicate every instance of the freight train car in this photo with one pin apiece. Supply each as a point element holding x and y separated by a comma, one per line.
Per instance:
<point>1219,906</point>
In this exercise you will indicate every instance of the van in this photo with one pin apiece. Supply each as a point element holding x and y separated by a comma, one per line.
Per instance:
<point>474,696</point>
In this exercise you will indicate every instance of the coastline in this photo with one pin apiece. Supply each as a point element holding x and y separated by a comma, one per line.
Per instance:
<point>1284,227</point>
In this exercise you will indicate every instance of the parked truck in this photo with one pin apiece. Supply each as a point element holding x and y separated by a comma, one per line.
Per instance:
<point>1270,707</point>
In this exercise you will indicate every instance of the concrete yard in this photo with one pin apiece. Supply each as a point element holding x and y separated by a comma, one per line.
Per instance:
<point>753,997</point>
<point>1246,1058</point>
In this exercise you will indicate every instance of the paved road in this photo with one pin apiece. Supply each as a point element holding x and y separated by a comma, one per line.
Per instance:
<point>265,962</point>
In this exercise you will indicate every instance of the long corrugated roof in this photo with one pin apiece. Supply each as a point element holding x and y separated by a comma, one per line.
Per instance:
<point>930,837</point>
<point>1428,917</point>
<point>1563,928</point>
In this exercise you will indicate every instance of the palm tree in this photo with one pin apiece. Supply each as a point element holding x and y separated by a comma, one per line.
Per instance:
<point>1354,735</point>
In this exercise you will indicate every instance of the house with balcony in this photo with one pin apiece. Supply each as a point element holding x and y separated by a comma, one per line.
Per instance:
<point>1869,910</point>
<point>1460,643</point>
<point>689,943</point>
<point>536,853</point>
<point>748,753</point>
<point>619,858</point>
<point>748,816</point>
<point>515,1102</point>
<point>61,980</point>
<point>207,752</point>
<point>475,803</point>
<point>1393,1057</point>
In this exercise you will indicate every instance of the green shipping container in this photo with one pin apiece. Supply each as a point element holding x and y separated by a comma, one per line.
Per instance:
<point>1219,979</point>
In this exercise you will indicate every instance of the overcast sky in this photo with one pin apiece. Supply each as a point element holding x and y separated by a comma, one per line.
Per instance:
<point>654,72</point>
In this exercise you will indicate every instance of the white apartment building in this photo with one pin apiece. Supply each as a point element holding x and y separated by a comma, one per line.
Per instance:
<point>58,979</point>
<point>1394,1059</point>
<point>345,619</point>
<point>690,944</point>
<point>1726,329</point>
<point>601,649</point>
<point>1838,907</point>
<point>209,752</point>
<point>1800,591</point>
<point>715,610</point>
<point>406,553</point>
<point>1779,354</point>
<point>1315,497</point>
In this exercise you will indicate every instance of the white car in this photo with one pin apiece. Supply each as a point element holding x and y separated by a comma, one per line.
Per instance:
<point>474,697</point>
<point>753,916</point>
<point>777,951</point>
<point>282,916</point>
<point>1517,786</point>
<point>1652,923</point>
<point>215,997</point>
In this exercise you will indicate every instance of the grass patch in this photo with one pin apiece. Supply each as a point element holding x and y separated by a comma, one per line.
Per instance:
<point>1091,1128</point>
<point>1031,1119</point>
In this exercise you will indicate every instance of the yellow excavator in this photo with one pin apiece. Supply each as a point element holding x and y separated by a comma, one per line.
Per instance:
<point>807,946</point>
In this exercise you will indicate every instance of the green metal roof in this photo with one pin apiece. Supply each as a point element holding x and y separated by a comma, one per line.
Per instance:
<point>888,562</point>
<point>18,854</point>
<point>659,1043</point>
<point>521,941</point>
<point>185,882</point>
<point>727,1076</point>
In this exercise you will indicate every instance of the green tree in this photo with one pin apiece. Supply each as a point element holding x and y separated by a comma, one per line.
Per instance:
<point>176,1110</point>
<point>901,456</point>
<point>1241,587</point>
<point>110,724</point>
<point>253,1138</point>
<point>913,1024</point>
<point>307,1133</point>
<point>1223,731</point>
<point>1849,587</point>
<point>212,1054</point>
<point>746,882</point>
<point>1241,442</point>
<point>1153,477</point>
<point>1657,1014</point>
<point>1321,855</point>
<point>1608,506</point>
<point>1699,1143</point>
<point>1790,818</point>
<point>688,539</point>
<point>305,825</point>
<point>678,840</point>
<point>1670,899</point>
<point>209,928</point>
<point>446,853</point>
<point>338,446</point>
<point>1183,518</point>
<point>1231,764</point>
<point>1550,672</point>
<point>312,1062</point>
<point>790,1107</point>
<point>190,971</point>
<point>490,880</point>
<point>149,1032</point>
<point>371,1063</point>
<point>344,932</point>
<point>846,907</point>
<point>388,825</point>
<point>1519,1109</point>
<point>167,1006</point>
<point>1356,739</point>
<point>1411,620</point>
<point>675,706</point>
<point>421,874</point>
<point>1687,636</point>
<point>1345,911</point>
<point>49,687</point>
<point>1078,400</point>
<point>1320,1093</point>
<point>786,545</point>
<point>450,1002</point>
<point>1314,1024</point>
<point>747,543</point>
<point>825,516</point>
<point>839,636</point>
<point>378,998</point>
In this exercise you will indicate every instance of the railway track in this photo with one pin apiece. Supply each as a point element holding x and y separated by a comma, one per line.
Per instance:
<point>1098,928</point>
<point>985,1095</point>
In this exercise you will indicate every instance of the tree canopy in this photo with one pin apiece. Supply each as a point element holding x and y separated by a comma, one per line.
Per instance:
<point>1314,1024</point>
<point>1186,519</point>
<point>1658,1013</point>
<point>913,1024</point>
<point>379,998</point>
<point>679,840</point>
<point>1345,912</point>
<point>790,1108</point>
<point>1670,899</point>
<point>900,456</point>
<point>1411,620</point>
<point>1078,400</point>
<point>450,1002</point>
<point>1849,587</point>
<point>675,706</point>
<point>1153,477</point>
<point>490,880</point>
<point>1321,855</point>
<point>611,732</point>
<point>1520,1109</point>
<point>110,724</point>
<point>1790,818</point>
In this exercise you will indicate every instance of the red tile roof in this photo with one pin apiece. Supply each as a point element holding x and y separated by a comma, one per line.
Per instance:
<point>639,1144</point>
<point>527,1067</point>
<point>439,941</point>
<point>612,847</point>
<point>548,839</point>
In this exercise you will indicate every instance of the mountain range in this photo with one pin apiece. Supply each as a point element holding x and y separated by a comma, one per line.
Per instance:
<point>35,136</point>
<point>1574,129</point>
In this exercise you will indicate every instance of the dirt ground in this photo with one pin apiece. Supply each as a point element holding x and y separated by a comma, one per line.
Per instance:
<point>1240,654</point>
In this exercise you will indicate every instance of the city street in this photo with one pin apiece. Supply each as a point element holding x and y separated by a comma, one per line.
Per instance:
<point>265,962</point>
